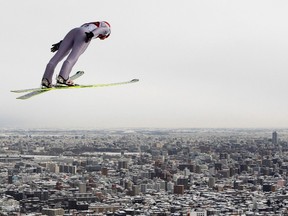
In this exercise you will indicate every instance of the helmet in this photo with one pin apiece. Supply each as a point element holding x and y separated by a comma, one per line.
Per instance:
<point>105,24</point>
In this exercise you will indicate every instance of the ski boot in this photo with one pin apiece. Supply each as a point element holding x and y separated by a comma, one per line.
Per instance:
<point>61,81</point>
<point>45,83</point>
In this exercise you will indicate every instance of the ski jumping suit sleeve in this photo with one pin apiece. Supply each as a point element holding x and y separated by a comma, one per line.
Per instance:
<point>72,46</point>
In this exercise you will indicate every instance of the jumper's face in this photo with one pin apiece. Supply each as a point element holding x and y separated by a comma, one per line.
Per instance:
<point>103,37</point>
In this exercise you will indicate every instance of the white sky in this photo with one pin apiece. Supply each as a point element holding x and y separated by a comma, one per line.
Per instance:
<point>204,63</point>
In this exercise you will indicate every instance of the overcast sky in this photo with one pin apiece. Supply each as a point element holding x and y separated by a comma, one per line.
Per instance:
<point>204,63</point>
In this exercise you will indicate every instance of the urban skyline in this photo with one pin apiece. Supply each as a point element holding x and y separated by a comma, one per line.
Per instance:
<point>144,172</point>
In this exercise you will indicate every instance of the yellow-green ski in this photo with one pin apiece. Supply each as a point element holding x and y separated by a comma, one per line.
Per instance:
<point>37,91</point>
<point>74,77</point>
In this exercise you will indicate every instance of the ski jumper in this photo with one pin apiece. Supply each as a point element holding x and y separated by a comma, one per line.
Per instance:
<point>74,44</point>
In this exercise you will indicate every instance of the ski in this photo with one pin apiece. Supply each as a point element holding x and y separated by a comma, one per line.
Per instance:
<point>59,87</point>
<point>74,77</point>
<point>31,94</point>
<point>37,91</point>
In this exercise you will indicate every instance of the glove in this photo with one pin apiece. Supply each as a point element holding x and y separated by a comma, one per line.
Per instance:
<point>89,36</point>
<point>56,46</point>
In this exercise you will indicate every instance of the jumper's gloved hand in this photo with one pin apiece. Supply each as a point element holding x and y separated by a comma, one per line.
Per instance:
<point>89,36</point>
<point>56,46</point>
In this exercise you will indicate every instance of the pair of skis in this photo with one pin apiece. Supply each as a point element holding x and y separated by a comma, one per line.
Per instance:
<point>37,91</point>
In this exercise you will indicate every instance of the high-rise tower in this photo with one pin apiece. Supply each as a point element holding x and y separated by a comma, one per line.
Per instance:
<point>274,138</point>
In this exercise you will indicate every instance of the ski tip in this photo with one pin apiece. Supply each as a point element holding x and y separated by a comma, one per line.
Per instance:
<point>80,72</point>
<point>21,97</point>
<point>135,80</point>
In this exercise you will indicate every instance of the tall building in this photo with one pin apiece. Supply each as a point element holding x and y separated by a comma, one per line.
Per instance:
<point>178,189</point>
<point>143,188</point>
<point>170,187</point>
<point>104,171</point>
<point>274,138</point>
<point>53,167</point>
<point>184,182</point>
<point>218,166</point>
<point>82,187</point>
<point>211,182</point>
<point>122,164</point>
<point>10,179</point>
<point>135,190</point>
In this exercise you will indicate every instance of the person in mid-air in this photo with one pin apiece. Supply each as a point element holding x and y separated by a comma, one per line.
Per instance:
<point>74,44</point>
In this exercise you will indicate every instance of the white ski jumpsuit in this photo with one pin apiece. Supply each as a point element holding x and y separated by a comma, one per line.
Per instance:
<point>74,44</point>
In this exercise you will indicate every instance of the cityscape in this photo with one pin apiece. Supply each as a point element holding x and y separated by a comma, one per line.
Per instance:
<point>119,172</point>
